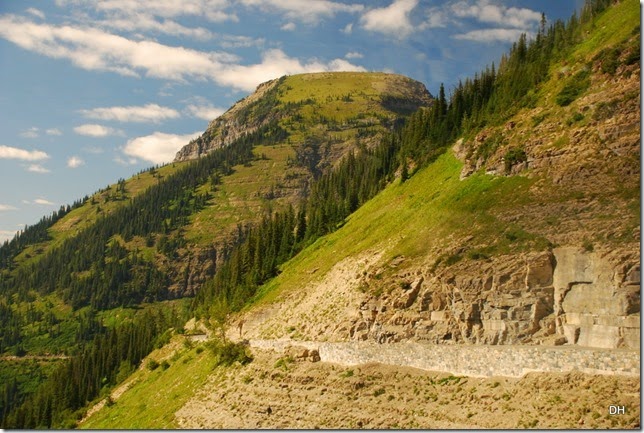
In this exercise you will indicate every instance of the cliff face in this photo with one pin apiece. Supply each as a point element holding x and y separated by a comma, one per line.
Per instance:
<point>231,125</point>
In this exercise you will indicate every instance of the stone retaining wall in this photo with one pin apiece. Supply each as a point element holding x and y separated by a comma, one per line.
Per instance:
<point>481,361</point>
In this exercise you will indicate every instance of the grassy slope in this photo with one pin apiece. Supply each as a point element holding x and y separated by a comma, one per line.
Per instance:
<point>428,212</point>
<point>434,210</point>
<point>243,196</point>
<point>154,396</point>
<point>85,215</point>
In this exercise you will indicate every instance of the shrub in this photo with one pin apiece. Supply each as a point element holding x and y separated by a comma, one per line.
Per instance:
<point>227,353</point>
<point>609,60</point>
<point>152,365</point>
<point>378,392</point>
<point>575,86</point>
<point>514,156</point>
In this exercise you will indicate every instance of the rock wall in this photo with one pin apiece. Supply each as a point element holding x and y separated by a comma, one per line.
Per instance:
<point>481,361</point>
<point>566,296</point>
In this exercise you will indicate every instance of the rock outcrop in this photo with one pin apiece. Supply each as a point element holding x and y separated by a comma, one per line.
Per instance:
<point>566,296</point>
<point>231,125</point>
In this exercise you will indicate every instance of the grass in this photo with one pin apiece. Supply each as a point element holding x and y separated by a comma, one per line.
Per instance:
<point>170,387</point>
<point>432,207</point>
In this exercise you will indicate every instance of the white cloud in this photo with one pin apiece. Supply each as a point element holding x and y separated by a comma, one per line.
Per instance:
<point>353,55</point>
<point>158,147</point>
<point>288,27</point>
<point>7,152</point>
<point>74,162</point>
<point>276,63</point>
<point>36,12</point>
<point>348,29</point>
<point>121,161</point>
<point>236,41</point>
<point>391,20</point>
<point>6,207</point>
<point>53,131</point>
<point>37,168</point>
<point>155,15</point>
<point>148,23</point>
<point>436,17</point>
<point>94,49</point>
<point>205,112</point>
<point>43,202</point>
<point>7,235</point>
<point>146,113</point>
<point>308,11</point>
<point>30,133</point>
<point>491,35</point>
<point>488,12</point>
<point>94,130</point>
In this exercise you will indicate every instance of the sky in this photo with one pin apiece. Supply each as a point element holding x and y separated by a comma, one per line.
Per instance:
<point>93,91</point>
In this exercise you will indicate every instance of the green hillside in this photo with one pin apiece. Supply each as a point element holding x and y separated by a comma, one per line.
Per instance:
<point>341,190</point>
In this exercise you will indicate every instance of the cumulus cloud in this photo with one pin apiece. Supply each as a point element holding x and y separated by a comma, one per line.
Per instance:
<point>155,15</point>
<point>392,20</point>
<point>6,207</point>
<point>158,147</point>
<point>237,41</point>
<point>94,130</point>
<point>7,152</point>
<point>276,63</point>
<point>488,12</point>
<point>491,35</point>
<point>94,49</point>
<point>7,235</point>
<point>205,112</point>
<point>30,133</point>
<point>288,27</point>
<point>53,131</point>
<point>353,55</point>
<point>36,12</point>
<point>146,113</point>
<point>74,162</point>
<point>37,168</point>
<point>348,29</point>
<point>308,11</point>
<point>43,202</point>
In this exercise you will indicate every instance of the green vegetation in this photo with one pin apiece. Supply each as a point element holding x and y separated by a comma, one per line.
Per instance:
<point>575,86</point>
<point>78,282</point>
<point>171,390</point>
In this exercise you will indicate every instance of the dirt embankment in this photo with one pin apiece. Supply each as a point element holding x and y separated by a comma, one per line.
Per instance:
<point>277,391</point>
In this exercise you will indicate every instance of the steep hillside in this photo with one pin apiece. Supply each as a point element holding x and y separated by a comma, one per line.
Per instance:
<point>526,232</point>
<point>160,234</point>
<point>507,216</point>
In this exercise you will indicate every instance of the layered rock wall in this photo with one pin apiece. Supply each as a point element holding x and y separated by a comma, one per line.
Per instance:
<point>566,296</point>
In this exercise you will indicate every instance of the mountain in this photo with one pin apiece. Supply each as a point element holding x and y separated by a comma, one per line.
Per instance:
<point>331,103</point>
<point>161,234</point>
<point>491,230</point>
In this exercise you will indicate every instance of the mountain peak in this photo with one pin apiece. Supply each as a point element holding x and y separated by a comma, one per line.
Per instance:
<point>328,101</point>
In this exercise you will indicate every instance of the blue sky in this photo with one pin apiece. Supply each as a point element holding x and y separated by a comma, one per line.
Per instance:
<point>93,91</point>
